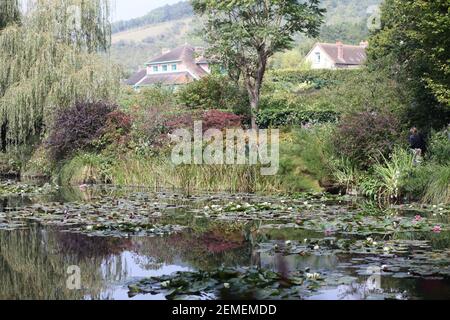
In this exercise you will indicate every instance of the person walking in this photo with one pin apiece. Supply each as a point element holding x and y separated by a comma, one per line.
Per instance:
<point>417,144</point>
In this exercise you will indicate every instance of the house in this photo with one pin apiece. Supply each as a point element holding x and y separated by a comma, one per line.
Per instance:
<point>337,55</point>
<point>175,67</point>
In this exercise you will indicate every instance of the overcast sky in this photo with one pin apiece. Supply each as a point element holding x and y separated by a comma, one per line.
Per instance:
<point>129,9</point>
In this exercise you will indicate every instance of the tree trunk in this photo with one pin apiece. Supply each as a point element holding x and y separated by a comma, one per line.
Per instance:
<point>254,86</point>
<point>254,104</point>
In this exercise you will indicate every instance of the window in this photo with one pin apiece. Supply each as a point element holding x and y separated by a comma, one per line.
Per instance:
<point>317,57</point>
<point>174,67</point>
<point>164,67</point>
<point>155,69</point>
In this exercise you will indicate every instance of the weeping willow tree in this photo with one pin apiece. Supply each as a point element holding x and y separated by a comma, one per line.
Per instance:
<point>9,12</point>
<point>50,60</point>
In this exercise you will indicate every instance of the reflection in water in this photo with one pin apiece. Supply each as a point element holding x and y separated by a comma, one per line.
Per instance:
<point>34,261</point>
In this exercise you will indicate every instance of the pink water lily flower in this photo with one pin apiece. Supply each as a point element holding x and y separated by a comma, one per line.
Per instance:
<point>418,218</point>
<point>437,229</point>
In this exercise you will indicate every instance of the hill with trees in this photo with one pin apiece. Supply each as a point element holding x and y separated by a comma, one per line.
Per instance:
<point>136,40</point>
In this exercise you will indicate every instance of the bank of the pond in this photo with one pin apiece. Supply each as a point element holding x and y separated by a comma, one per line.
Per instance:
<point>159,172</point>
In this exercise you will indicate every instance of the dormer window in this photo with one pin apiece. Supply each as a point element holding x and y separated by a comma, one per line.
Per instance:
<point>155,69</point>
<point>174,67</point>
<point>317,57</point>
<point>164,68</point>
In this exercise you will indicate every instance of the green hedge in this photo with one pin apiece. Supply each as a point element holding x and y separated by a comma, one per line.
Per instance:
<point>319,78</point>
<point>292,117</point>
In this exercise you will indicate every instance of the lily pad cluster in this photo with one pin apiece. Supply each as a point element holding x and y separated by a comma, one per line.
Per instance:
<point>229,283</point>
<point>106,217</point>
<point>418,263</point>
<point>332,245</point>
<point>10,188</point>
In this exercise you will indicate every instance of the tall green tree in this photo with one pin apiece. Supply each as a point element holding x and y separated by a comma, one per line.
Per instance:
<point>50,60</point>
<point>413,43</point>
<point>244,34</point>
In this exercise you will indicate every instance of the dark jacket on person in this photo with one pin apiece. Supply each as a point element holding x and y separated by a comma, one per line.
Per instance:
<point>417,141</point>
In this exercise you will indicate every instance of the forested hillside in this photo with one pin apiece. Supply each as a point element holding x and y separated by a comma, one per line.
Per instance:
<point>136,40</point>
<point>163,14</point>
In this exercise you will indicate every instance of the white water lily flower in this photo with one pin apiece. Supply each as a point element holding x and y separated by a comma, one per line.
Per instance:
<point>316,247</point>
<point>206,208</point>
<point>89,227</point>
<point>288,242</point>
<point>369,240</point>
<point>386,249</point>
<point>165,284</point>
<point>313,276</point>
<point>226,285</point>
<point>375,243</point>
<point>305,240</point>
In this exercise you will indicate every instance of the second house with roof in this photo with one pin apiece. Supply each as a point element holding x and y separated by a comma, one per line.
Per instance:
<point>175,67</point>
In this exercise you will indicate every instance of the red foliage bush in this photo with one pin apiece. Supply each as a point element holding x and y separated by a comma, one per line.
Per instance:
<point>77,127</point>
<point>116,129</point>
<point>215,119</point>
<point>367,136</point>
<point>184,121</point>
<point>212,119</point>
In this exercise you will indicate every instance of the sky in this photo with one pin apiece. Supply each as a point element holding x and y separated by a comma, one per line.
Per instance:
<point>129,9</point>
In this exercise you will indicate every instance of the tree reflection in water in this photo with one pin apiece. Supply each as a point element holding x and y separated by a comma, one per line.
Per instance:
<point>34,262</point>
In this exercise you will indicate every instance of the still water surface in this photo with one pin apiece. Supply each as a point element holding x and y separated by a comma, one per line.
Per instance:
<point>34,261</point>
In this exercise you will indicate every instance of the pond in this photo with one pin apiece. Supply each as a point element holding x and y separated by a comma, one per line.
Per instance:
<point>128,243</point>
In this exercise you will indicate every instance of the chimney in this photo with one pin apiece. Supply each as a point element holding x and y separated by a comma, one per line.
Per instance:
<point>340,47</point>
<point>364,44</point>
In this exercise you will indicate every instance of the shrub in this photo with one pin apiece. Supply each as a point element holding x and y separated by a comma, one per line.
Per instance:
<point>115,132</point>
<point>367,137</point>
<point>288,116</point>
<point>212,119</point>
<point>439,147</point>
<point>182,121</point>
<point>213,92</point>
<point>215,119</point>
<point>149,97</point>
<point>76,127</point>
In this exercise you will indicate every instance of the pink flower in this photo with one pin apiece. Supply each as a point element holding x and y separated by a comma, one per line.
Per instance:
<point>418,218</point>
<point>437,229</point>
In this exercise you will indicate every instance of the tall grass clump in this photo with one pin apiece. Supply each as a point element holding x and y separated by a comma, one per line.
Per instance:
<point>438,188</point>
<point>306,158</point>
